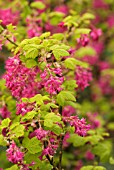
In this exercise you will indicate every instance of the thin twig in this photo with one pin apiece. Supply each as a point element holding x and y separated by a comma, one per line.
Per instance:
<point>61,152</point>
<point>11,41</point>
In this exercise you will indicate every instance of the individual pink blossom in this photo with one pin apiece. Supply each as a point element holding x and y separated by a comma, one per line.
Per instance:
<point>8,17</point>
<point>14,154</point>
<point>60,28</point>
<point>66,137</point>
<point>34,31</point>
<point>99,47</point>
<point>79,164</point>
<point>100,4</point>
<point>63,9</point>
<point>92,60</point>
<point>39,133</point>
<point>111,21</point>
<point>4,112</point>
<point>83,40</point>
<point>1,46</point>
<point>83,77</point>
<point>95,33</point>
<point>104,84</point>
<point>23,108</point>
<point>92,118</point>
<point>103,65</point>
<point>68,111</point>
<point>89,155</point>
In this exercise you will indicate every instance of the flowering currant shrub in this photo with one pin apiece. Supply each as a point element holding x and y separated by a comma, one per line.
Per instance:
<point>56,93</point>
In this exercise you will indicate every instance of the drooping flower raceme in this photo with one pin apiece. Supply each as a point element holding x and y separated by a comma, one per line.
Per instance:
<point>83,76</point>
<point>19,79</point>
<point>8,17</point>
<point>14,154</point>
<point>52,80</point>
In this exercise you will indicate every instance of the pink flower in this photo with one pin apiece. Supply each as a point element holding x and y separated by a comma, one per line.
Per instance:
<point>111,21</point>
<point>83,76</point>
<point>23,108</point>
<point>8,17</point>
<point>83,40</point>
<point>95,123</point>
<point>19,79</point>
<point>79,124</point>
<point>68,111</point>
<point>95,33</point>
<point>100,4</point>
<point>14,154</point>
<point>79,165</point>
<point>4,112</point>
<point>34,32</point>
<point>1,46</point>
<point>66,137</point>
<point>89,155</point>
<point>63,9</point>
<point>52,83</point>
<point>39,133</point>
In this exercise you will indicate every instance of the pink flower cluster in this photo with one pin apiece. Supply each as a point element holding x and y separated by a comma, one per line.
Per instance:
<point>95,33</point>
<point>4,112</point>
<point>79,124</point>
<point>23,108</point>
<point>95,123</point>
<point>14,154</point>
<point>83,40</point>
<point>83,76</point>
<point>52,80</point>
<point>39,133</point>
<point>19,79</point>
<point>8,17</point>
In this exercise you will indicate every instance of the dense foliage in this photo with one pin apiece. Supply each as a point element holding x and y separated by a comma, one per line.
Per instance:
<point>56,86</point>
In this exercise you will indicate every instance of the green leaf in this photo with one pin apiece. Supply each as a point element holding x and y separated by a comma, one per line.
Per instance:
<point>45,165</point>
<point>82,31</point>
<point>25,100</point>
<point>30,63</point>
<point>87,16</point>
<point>55,128</point>
<point>83,51</point>
<point>14,167</point>
<point>38,5</point>
<point>30,115</point>
<point>91,167</point>
<point>5,123</point>
<point>60,53</point>
<point>11,28</point>
<point>33,145</point>
<point>65,96</point>
<point>71,63</point>
<point>103,150</point>
<point>76,140</point>
<point>17,131</point>
<point>39,99</point>
<point>50,119</point>
<point>32,53</point>
<point>70,85</point>
<point>31,157</point>
<point>111,160</point>
<point>2,141</point>
<point>1,29</point>
<point>93,139</point>
<point>45,35</point>
<point>58,36</point>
